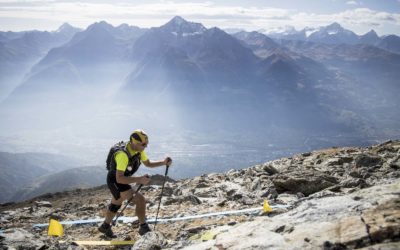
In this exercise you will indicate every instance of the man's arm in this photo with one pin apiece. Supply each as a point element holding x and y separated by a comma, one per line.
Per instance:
<point>154,164</point>
<point>122,179</point>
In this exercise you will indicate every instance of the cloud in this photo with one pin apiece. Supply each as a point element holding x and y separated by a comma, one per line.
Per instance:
<point>363,15</point>
<point>352,3</point>
<point>151,14</point>
<point>145,14</point>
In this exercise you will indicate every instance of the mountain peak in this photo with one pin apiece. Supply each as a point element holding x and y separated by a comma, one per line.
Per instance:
<point>333,29</point>
<point>67,29</point>
<point>371,33</point>
<point>177,20</point>
<point>103,25</point>
<point>64,27</point>
<point>180,26</point>
<point>334,25</point>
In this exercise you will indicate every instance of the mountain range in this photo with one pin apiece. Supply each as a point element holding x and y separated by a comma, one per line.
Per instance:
<point>86,85</point>
<point>183,62</point>
<point>22,169</point>
<point>19,51</point>
<point>336,34</point>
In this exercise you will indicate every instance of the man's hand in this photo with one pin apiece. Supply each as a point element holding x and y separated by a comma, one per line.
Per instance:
<point>145,179</point>
<point>168,161</point>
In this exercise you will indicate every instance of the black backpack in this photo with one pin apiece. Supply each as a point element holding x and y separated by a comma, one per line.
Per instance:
<point>110,157</point>
<point>134,161</point>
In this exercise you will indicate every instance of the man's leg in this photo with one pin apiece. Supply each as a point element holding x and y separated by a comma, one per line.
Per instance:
<point>116,204</point>
<point>112,210</point>
<point>140,202</point>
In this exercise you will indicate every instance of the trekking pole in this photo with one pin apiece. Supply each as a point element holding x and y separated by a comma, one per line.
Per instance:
<point>162,190</point>
<point>119,214</point>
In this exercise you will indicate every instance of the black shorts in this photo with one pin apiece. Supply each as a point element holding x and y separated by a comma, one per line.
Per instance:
<point>116,188</point>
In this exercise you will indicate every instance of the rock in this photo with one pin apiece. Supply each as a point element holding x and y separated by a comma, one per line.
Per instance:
<point>383,246</point>
<point>287,198</point>
<point>195,230</point>
<point>306,182</point>
<point>326,223</point>
<point>283,229</point>
<point>189,198</point>
<point>236,197</point>
<point>395,163</point>
<point>383,221</point>
<point>230,192</point>
<point>206,192</point>
<point>355,173</point>
<point>271,194</point>
<point>168,191</point>
<point>21,239</point>
<point>368,160</point>
<point>177,191</point>
<point>346,159</point>
<point>158,180</point>
<point>256,184</point>
<point>222,203</point>
<point>202,184</point>
<point>334,161</point>
<point>353,232</point>
<point>270,169</point>
<point>247,201</point>
<point>150,241</point>
<point>353,182</point>
<point>43,204</point>
<point>192,199</point>
<point>250,235</point>
<point>333,246</point>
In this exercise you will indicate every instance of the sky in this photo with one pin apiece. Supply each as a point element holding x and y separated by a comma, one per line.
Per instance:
<point>359,16</point>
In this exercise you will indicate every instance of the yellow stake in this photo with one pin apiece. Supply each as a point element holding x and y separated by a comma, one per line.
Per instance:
<point>55,228</point>
<point>267,207</point>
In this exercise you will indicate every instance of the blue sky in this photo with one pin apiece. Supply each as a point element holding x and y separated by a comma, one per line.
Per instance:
<point>358,15</point>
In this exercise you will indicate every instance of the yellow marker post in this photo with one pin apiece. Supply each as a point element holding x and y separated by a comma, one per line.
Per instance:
<point>267,208</point>
<point>55,228</point>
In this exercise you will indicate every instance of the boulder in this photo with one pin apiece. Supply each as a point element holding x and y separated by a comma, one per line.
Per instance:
<point>271,170</point>
<point>306,181</point>
<point>383,221</point>
<point>368,160</point>
<point>150,241</point>
<point>19,238</point>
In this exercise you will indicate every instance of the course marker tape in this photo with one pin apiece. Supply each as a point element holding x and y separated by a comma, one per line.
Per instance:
<point>102,242</point>
<point>152,220</point>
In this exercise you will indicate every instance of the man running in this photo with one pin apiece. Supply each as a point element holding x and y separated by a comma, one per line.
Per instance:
<point>123,165</point>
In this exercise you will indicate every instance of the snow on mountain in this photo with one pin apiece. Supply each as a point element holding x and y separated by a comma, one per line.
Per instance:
<point>333,34</point>
<point>181,27</point>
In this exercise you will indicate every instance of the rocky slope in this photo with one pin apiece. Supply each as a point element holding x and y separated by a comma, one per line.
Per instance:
<point>339,198</point>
